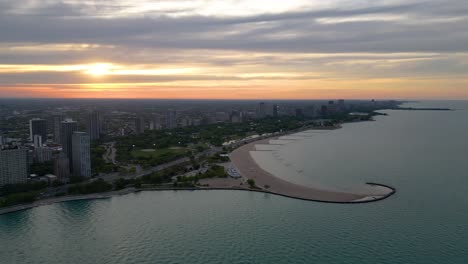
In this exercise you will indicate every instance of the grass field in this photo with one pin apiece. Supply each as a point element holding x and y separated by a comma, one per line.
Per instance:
<point>158,152</point>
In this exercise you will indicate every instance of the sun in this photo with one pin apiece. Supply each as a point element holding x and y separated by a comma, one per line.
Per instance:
<point>99,69</point>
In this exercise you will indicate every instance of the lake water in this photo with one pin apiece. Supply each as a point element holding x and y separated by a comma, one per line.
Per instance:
<point>423,154</point>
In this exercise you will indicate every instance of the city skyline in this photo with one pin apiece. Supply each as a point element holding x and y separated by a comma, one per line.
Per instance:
<point>234,49</point>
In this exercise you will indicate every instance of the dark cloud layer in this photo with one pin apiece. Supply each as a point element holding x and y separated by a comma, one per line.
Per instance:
<point>308,40</point>
<point>420,29</point>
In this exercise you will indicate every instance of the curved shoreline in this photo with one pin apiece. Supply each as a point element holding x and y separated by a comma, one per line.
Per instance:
<point>245,164</point>
<point>248,168</point>
<point>98,196</point>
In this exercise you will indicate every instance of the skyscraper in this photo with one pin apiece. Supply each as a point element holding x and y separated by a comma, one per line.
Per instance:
<point>94,125</point>
<point>332,107</point>
<point>13,166</point>
<point>261,110</point>
<point>38,126</point>
<point>324,110</point>
<point>171,119</point>
<point>57,122</point>
<point>341,105</point>
<point>66,131</point>
<point>139,125</point>
<point>275,110</point>
<point>81,154</point>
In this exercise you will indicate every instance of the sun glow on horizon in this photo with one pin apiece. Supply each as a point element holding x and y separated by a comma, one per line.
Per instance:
<point>99,69</point>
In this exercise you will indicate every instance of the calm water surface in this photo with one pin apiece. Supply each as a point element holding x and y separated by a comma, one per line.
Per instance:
<point>423,154</point>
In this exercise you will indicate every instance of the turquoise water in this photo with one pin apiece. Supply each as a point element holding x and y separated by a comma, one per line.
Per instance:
<point>422,154</point>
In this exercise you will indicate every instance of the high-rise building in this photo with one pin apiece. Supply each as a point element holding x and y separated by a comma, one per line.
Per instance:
<point>261,110</point>
<point>42,154</point>
<point>66,131</point>
<point>62,167</point>
<point>324,110</point>
<point>38,126</point>
<point>235,116</point>
<point>57,123</point>
<point>275,110</point>
<point>155,123</point>
<point>221,116</point>
<point>37,139</point>
<point>139,125</point>
<point>94,125</point>
<point>332,107</point>
<point>13,166</point>
<point>105,127</point>
<point>171,119</point>
<point>341,105</point>
<point>81,154</point>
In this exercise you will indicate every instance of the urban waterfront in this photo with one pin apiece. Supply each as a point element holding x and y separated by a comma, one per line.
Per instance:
<point>420,153</point>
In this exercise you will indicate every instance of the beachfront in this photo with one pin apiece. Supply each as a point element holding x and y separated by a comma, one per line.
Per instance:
<point>264,180</point>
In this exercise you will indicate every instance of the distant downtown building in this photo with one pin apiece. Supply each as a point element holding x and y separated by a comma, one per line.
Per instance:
<point>94,125</point>
<point>341,105</point>
<point>38,126</point>
<point>57,123</point>
<point>139,125</point>
<point>310,111</point>
<point>155,124</point>
<point>81,154</point>
<point>275,110</point>
<point>66,131</point>
<point>171,119</point>
<point>221,116</point>
<point>261,110</point>
<point>13,166</point>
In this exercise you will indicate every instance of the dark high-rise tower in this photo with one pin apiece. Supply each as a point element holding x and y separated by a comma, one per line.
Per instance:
<point>57,122</point>
<point>171,119</point>
<point>139,125</point>
<point>261,110</point>
<point>38,126</point>
<point>13,166</point>
<point>94,125</point>
<point>275,110</point>
<point>81,154</point>
<point>66,131</point>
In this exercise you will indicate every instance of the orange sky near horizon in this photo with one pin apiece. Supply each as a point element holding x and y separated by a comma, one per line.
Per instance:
<point>360,89</point>
<point>234,49</point>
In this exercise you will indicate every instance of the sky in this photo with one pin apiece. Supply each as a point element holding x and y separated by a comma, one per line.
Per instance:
<point>234,49</point>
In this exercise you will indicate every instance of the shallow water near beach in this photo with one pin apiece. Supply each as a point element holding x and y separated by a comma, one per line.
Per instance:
<point>423,154</point>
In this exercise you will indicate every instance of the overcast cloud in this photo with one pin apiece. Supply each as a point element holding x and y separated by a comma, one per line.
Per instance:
<point>225,40</point>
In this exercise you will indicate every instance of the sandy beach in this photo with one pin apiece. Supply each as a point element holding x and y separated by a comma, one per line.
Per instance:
<point>247,166</point>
